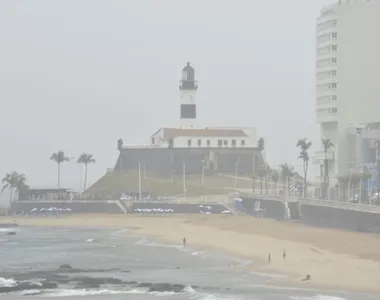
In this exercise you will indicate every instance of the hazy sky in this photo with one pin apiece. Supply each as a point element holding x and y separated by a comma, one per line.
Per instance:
<point>77,75</point>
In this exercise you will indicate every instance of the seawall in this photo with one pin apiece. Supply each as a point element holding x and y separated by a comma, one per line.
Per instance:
<point>331,217</point>
<point>180,208</point>
<point>319,213</point>
<point>116,206</point>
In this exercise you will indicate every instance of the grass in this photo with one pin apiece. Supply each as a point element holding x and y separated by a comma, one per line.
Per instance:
<point>115,184</point>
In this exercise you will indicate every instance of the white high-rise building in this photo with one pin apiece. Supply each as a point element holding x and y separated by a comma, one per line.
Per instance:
<point>347,79</point>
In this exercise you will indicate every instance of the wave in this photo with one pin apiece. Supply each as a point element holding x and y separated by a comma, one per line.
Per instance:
<point>83,292</point>
<point>192,252</point>
<point>7,282</point>
<point>31,292</point>
<point>219,297</point>
<point>148,243</point>
<point>92,292</point>
<point>318,297</point>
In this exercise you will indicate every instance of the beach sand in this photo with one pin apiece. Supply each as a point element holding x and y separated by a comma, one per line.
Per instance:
<point>336,260</point>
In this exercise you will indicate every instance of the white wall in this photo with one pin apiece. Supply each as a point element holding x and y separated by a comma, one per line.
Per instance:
<point>182,141</point>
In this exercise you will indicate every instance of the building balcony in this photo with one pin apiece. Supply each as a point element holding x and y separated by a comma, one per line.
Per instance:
<point>188,85</point>
<point>327,118</point>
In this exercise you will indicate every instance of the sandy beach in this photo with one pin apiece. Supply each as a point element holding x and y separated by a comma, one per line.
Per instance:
<point>336,260</point>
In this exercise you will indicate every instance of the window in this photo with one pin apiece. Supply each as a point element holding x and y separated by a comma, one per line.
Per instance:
<point>220,143</point>
<point>334,97</point>
<point>199,143</point>
<point>233,143</point>
<point>188,143</point>
<point>334,35</point>
<point>153,140</point>
<point>208,143</point>
<point>225,143</point>
<point>334,47</point>
<point>242,142</point>
<point>333,60</point>
<point>333,85</point>
<point>333,72</point>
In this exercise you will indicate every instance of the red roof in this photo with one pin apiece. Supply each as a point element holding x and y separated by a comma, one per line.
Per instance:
<point>177,132</point>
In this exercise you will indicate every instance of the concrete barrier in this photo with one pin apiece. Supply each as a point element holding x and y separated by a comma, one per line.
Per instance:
<point>320,213</point>
<point>273,209</point>
<point>95,206</point>
<point>333,217</point>
<point>180,208</point>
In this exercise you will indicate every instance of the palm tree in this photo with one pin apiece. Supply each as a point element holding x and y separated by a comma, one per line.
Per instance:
<point>304,146</point>
<point>59,157</point>
<point>85,159</point>
<point>261,172</point>
<point>254,177</point>
<point>343,184</point>
<point>20,183</point>
<point>120,149</point>
<point>286,173</point>
<point>9,182</point>
<point>12,181</point>
<point>365,177</point>
<point>275,178</point>
<point>355,179</point>
<point>327,144</point>
<point>267,173</point>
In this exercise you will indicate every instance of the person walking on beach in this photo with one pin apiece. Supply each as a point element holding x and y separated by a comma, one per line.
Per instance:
<point>284,254</point>
<point>269,258</point>
<point>184,241</point>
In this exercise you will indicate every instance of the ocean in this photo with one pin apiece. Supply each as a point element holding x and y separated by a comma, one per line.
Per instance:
<point>113,264</point>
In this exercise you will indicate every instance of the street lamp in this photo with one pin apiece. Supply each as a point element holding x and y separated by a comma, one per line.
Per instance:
<point>184,177</point>
<point>236,171</point>
<point>203,171</point>
<point>139,181</point>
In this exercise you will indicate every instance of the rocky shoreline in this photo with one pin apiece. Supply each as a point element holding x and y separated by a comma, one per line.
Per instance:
<point>36,281</point>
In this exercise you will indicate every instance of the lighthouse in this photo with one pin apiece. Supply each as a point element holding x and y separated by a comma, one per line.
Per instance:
<point>188,88</point>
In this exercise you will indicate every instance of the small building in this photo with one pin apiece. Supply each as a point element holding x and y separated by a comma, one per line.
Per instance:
<point>46,194</point>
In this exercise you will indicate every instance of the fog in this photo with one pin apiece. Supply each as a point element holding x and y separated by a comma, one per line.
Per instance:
<point>77,75</point>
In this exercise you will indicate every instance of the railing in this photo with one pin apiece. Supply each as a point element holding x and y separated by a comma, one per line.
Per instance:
<point>280,198</point>
<point>342,205</point>
<point>316,202</point>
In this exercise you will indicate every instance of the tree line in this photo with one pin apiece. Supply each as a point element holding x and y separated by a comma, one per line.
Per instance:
<point>286,171</point>
<point>15,181</point>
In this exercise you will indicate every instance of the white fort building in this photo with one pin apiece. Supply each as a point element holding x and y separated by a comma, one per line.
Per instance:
<point>209,150</point>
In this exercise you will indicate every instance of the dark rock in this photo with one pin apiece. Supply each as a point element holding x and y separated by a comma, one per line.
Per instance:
<point>167,287</point>
<point>145,284</point>
<point>94,281</point>
<point>22,286</point>
<point>65,267</point>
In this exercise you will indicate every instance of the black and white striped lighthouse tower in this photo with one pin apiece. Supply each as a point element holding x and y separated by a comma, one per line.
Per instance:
<point>188,87</point>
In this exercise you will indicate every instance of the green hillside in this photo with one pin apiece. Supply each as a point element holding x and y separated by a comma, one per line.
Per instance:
<point>115,184</point>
